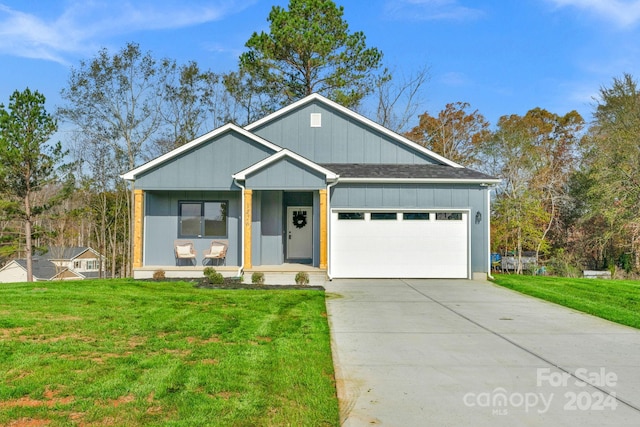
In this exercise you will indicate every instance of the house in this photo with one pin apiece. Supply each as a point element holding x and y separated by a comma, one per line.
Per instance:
<point>58,263</point>
<point>318,184</point>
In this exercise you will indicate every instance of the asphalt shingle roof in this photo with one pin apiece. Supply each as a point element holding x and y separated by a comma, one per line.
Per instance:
<point>360,170</point>
<point>69,253</point>
<point>42,268</point>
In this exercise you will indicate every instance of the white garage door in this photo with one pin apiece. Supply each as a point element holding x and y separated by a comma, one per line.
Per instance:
<point>399,244</point>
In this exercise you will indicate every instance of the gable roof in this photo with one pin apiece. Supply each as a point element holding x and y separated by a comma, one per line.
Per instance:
<point>357,117</point>
<point>67,253</point>
<point>285,153</point>
<point>44,269</point>
<point>230,127</point>
<point>359,172</point>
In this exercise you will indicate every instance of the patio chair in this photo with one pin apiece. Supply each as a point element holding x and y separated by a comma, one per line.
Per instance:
<point>217,251</point>
<point>184,250</point>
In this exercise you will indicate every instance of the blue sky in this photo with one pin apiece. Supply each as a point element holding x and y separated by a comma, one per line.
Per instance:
<point>501,56</point>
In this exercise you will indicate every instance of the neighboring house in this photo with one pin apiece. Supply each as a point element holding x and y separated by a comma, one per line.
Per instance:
<point>314,183</point>
<point>69,263</point>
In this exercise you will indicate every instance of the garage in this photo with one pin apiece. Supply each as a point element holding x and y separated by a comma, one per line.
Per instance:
<point>404,244</point>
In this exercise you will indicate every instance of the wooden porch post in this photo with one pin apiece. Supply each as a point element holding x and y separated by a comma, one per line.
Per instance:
<point>248,194</point>
<point>323,229</point>
<point>138,222</point>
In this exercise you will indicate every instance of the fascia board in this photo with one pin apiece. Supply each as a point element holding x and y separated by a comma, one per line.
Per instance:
<point>419,180</point>
<point>279,155</point>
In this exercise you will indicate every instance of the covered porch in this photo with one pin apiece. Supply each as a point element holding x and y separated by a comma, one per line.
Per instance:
<point>269,231</point>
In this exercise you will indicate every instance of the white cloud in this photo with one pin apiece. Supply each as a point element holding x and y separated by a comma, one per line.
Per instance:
<point>85,24</point>
<point>430,10</point>
<point>624,13</point>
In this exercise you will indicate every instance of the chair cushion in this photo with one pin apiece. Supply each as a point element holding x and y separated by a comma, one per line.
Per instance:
<point>216,250</point>
<point>183,251</point>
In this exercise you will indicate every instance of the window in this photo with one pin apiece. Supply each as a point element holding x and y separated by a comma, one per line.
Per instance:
<point>77,265</point>
<point>92,264</point>
<point>415,216</point>
<point>203,219</point>
<point>375,216</point>
<point>449,216</point>
<point>350,215</point>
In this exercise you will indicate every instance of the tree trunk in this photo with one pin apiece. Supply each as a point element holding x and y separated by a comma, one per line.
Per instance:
<point>548,227</point>
<point>28,233</point>
<point>519,246</point>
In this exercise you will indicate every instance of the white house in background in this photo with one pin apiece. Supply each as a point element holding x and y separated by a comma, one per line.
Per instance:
<point>68,263</point>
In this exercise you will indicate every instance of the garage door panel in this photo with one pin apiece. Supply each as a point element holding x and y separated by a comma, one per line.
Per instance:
<point>400,248</point>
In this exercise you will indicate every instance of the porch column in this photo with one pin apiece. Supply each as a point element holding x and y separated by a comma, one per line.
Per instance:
<point>248,202</point>
<point>138,222</point>
<point>323,229</point>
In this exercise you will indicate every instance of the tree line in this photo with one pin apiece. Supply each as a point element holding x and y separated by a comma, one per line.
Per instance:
<point>570,189</point>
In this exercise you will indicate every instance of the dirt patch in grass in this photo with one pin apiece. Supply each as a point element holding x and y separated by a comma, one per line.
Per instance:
<point>6,333</point>
<point>226,395</point>
<point>199,341</point>
<point>96,357</point>
<point>28,422</point>
<point>16,375</point>
<point>50,400</point>
<point>62,317</point>
<point>122,400</point>
<point>46,339</point>
<point>136,341</point>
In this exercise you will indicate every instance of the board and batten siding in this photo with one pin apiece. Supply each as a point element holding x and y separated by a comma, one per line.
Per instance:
<point>286,174</point>
<point>339,139</point>
<point>209,166</point>
<point>397,197</point>
<point>161,216</point>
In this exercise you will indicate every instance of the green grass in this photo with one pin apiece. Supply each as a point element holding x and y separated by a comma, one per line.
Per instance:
<point>120,352</point>
<point>615,300</point>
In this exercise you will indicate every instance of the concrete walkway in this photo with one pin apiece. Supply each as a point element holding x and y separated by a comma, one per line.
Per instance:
<point>467,353</point>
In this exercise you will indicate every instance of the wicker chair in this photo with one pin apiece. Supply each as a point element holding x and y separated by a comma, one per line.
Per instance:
<point>217,251</point>
<point>184,250</point>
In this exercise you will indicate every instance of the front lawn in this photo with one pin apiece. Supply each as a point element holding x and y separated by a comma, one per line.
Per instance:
<point>615,300</point>
<point>120,352</point>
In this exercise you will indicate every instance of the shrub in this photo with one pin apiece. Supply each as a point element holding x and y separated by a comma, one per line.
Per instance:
<point>564,265</point>
<point>302,278</point>
<point>159,275</point>
<point>257,278</point>
<point>213,276</point>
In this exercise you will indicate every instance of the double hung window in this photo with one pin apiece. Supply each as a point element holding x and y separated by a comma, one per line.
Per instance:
<point>203,219</point>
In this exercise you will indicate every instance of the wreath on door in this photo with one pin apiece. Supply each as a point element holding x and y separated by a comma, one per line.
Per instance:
<point>300,219</point>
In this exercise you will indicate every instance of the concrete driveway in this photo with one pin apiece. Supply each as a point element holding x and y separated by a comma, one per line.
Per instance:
<point>469,353</point>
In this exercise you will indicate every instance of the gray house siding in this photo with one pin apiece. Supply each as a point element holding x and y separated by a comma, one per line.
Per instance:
<point>208,166</point>
<point>269,249</point>
<point>161,228</point>
<point>340,139</point>
<point>424,196</point>
<point>285,174</point>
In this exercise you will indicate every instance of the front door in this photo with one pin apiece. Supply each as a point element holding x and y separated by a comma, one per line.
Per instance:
<point>299,232</point>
